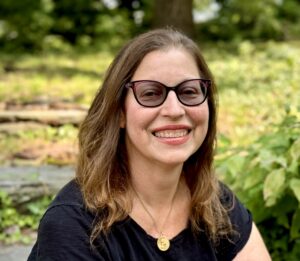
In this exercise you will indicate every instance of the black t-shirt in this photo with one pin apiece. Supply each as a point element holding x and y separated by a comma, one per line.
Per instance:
<point>65,228</point>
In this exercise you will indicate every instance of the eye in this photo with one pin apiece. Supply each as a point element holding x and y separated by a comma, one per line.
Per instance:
<point>190,91</point>
<point>149,92</point>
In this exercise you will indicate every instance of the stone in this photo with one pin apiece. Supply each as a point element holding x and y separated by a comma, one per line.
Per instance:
<point>27,183</point>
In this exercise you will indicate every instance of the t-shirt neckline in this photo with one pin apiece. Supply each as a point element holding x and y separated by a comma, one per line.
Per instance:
<point>174,239</point>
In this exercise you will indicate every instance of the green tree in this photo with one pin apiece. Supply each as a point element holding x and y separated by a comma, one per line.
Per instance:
<point>24,24</point>
<point>175,13</point>
<point>289,16</point>
<point>255,19</point>
<point>245,19</point>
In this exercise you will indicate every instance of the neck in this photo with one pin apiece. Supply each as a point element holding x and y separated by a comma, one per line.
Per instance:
<point>156,186</point>
<point>166,197</point>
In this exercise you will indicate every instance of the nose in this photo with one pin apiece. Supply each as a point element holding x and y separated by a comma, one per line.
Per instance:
<point>172,107</point>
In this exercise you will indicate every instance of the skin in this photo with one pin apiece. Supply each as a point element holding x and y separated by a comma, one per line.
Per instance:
<point>169,67</point>
<point>255,248</point>
<point>156,162</point>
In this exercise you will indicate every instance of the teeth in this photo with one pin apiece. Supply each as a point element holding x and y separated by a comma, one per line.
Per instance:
<point>171,133</point>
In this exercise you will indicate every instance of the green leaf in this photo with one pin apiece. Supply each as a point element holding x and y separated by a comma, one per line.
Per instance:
<point>295,187</point>
<point>283,220</point>
<point>295,150</point>
<point>293,167</point>
<point>273,186</point>
<point>295,228</point>
<point>253,178</point>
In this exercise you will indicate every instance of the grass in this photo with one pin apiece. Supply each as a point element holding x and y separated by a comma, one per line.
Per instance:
<point>257,83</point>
<point>61,75</point>
<point>68,76</point>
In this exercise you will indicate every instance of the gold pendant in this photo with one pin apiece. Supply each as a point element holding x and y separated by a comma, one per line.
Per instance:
<point>163,243</point>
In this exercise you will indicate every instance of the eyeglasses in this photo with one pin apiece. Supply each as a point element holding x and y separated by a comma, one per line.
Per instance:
<point>153,94</point>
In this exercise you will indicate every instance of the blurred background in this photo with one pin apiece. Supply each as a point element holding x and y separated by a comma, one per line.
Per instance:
<point>54,53</point>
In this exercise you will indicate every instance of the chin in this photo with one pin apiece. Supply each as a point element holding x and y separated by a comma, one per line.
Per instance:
<point>174,160</point>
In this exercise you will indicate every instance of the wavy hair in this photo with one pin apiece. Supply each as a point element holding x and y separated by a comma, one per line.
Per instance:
<point>102,169</point>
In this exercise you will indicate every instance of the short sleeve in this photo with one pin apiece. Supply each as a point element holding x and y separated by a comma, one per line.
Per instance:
<point>241,220</point>
<point>63,234</point>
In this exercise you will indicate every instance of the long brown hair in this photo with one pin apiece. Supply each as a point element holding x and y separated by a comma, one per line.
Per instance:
<point>102,170</point>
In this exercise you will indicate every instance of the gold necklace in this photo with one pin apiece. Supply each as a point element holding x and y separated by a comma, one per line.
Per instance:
<point>163,243</point>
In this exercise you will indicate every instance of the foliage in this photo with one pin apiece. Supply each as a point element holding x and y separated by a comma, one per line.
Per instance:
<point>257,19</point>
<point>15,222</point>
<point>266,176</point>
<point>24,24</point>
<point>85,22</point>
<point>255,83</point>
<point>72,75</point>
<point>46,143</point>
<point>40,24</point>
<point>259,141</point>
<point>32,25</point>
<point>258,120</point>
<point>290,18</point>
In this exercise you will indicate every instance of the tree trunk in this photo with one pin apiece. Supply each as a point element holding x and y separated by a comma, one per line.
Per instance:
<point>174,13</point>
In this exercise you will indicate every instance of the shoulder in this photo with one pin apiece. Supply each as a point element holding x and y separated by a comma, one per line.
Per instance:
<point>70,194</point>
<point>67,212</point>
<point>67,208</point>
<point>64,229</point>
<point>241,220</point>
<point>239,215</point>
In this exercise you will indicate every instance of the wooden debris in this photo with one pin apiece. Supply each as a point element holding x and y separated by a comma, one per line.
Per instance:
<point>51,117</point>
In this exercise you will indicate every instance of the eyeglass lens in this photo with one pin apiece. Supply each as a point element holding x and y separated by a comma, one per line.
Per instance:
<point>153,93</point>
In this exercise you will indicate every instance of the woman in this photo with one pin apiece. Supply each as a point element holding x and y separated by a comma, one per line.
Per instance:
<point>145,188</point>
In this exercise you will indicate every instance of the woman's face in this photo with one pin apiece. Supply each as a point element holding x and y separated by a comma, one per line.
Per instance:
<point>170,133</point>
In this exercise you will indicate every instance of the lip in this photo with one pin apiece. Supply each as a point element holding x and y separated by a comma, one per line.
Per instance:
<point>172,127</point>
<point>173,140</point>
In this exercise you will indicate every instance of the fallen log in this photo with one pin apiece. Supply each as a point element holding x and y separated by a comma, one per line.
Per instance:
<point>51,117</point>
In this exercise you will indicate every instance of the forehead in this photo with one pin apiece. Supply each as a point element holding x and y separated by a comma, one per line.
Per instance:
<point>169,66</point>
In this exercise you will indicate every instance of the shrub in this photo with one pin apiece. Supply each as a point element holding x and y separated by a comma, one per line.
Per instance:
<point>266,177</point>
<point>18,222</point>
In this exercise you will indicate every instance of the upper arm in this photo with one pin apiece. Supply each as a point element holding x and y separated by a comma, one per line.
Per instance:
<point>254,249</point>
<point>245,237</point>
<point>63,234</point>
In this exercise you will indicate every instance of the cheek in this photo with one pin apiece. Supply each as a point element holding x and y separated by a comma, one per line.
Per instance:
<point>200,116</point>
<point>137,120</point>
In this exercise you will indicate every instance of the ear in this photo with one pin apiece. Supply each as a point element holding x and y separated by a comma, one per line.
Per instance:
<point>122,119</point>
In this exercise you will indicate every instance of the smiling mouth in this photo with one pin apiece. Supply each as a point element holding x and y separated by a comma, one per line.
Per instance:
<point>171,133</point>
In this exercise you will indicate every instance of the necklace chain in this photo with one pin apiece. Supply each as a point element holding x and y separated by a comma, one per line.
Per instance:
<point>162,242</point>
